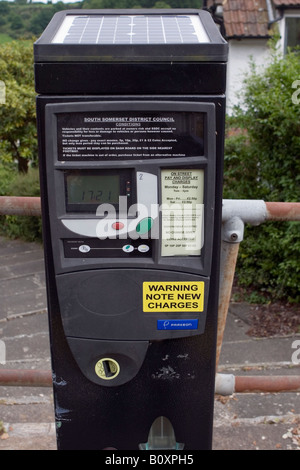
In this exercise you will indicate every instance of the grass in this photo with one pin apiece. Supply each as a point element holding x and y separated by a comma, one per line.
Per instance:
<point>5,38</point>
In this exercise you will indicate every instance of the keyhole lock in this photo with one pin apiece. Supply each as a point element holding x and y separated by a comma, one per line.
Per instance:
<point>107,369</point>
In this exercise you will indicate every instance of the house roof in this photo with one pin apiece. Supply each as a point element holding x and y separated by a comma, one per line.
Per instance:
<point>286,3</point>
<point>246,18</point>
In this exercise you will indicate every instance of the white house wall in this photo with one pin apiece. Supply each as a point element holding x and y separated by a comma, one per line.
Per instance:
<point>240,53</point>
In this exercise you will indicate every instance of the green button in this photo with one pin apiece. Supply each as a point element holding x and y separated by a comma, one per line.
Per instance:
<point>144,225</point>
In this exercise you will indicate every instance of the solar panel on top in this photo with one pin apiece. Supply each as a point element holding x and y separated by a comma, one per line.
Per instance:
<point>135,29</point>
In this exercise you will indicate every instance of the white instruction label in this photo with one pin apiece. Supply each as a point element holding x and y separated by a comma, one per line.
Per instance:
<point>182,212</point>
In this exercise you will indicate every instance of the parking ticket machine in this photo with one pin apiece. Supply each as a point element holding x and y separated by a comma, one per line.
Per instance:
<point>131,124</point>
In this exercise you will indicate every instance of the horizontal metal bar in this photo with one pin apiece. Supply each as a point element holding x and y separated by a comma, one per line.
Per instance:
<point>25,378</point>
<point>267,384</point>
<point>12,205</point>
<point>228,384</point>
<point>255,212</point>
<point>249,211</point>
<point>289,211</point>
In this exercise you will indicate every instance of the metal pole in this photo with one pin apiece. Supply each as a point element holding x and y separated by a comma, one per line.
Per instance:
<point>229,254</point>
<point>269,384</point>
<point>236,213</point>
<point>250,211</point>
<point>228,384</point>
<point>20,205</point>
<point>289,211</point>
<point>25,378</point>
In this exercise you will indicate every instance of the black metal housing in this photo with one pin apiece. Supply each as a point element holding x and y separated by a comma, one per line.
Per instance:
<point>168,374</point>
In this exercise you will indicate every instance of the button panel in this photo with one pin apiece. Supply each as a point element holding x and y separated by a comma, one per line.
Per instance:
<point>95,248</point>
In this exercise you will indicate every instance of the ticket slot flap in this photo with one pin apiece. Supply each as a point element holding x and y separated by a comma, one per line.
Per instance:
<point>120,313</point>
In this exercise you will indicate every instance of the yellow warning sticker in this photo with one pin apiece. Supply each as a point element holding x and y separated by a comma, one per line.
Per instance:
<point>173,297</point>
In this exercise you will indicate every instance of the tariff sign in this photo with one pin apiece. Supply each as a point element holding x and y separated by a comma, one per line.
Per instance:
<point>173,297</point>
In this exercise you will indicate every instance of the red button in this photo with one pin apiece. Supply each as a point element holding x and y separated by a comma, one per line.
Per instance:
<point>117,225</point>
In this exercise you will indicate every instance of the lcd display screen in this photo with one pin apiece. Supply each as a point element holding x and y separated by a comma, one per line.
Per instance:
<point>86,190</point>
<point>93,189</point>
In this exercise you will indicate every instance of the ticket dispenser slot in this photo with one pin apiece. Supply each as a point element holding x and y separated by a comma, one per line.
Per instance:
<point>131,189</point>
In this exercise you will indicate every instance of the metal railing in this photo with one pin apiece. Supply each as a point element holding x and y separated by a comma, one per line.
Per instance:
<point>11,205</point>
<point>236,213</point>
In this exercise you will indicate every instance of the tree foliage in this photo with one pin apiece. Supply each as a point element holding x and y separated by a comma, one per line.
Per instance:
<point>22,19</point>
<point>263,162</point>
<point>18,137</point>
<point>142,4</point>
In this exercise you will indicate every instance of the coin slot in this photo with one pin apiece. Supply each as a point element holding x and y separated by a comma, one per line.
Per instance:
<point>107,369</point>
